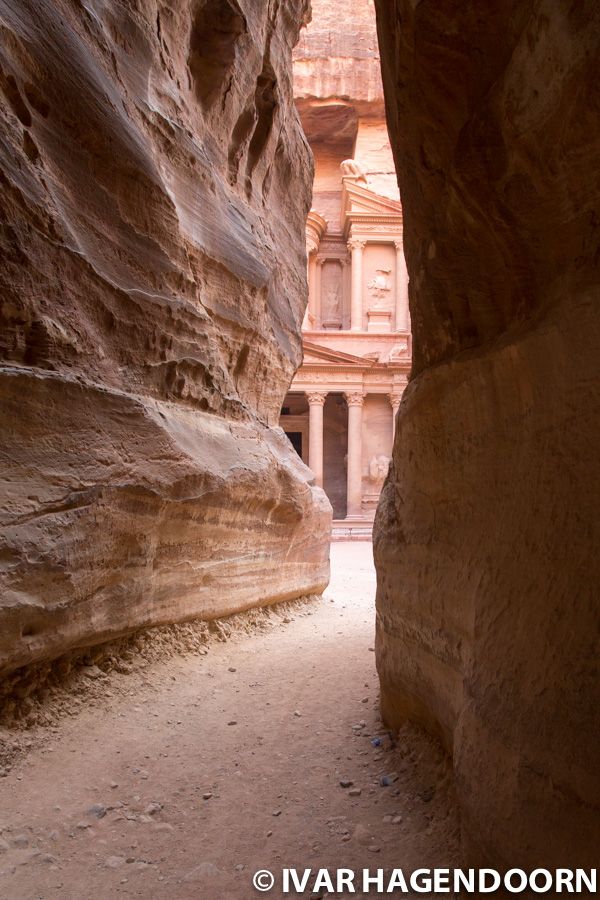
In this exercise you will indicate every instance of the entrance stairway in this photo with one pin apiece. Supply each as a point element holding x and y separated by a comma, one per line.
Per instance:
<point>352,530</point>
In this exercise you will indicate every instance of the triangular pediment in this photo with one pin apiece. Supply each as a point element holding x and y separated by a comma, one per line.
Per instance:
<point>317,354</point>
<point>359,199</point>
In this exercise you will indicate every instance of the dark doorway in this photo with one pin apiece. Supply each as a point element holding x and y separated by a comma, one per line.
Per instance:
<point>295,438</point>
<point>335,449</point>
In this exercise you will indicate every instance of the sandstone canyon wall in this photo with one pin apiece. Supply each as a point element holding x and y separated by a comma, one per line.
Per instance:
<point>153,286</point>
<point>339,94</point>
<point>337,56</point>
<point>486,538</point>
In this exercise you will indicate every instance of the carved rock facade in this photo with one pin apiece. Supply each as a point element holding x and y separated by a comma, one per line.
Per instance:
<point>486,537</point>
<point>153,287</point>
<point>356,328</point>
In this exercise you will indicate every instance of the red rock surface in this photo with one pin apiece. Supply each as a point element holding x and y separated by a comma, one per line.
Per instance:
<point>153,286</point>
<point>336,62</point>
<point>486,538</point>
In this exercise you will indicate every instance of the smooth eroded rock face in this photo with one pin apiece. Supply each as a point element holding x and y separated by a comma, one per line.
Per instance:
<point>155,184</point>
<point>486,538</point>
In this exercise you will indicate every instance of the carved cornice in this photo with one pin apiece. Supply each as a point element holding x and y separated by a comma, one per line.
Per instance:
<point>375,219</point>
<point>376,371</point>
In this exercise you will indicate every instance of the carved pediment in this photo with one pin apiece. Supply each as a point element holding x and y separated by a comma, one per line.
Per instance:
<point>317,355</point>
<point>389,355</point>
<point>359,201</point>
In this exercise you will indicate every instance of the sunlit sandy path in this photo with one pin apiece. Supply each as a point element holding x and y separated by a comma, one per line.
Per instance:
<point>152,758</point>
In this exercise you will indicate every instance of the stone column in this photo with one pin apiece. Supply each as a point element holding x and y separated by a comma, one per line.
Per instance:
<point>355,401</point>
<point>316,402</point>
<point>356,248</point>
<point>395,401</point>
<point>310,312</point>
<point>318,305</point>
<point>402,311</point>
<point>346,266</point>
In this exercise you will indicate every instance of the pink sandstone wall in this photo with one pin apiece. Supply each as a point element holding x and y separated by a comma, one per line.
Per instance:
<point>373,149</point>
<point>338,91</point>
<point>337,54</point>
<point>327,187</point>
<point>487,533</point>
<point>155,185</point>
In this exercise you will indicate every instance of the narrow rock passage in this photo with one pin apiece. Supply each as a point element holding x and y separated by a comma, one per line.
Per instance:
<point>211,768</point>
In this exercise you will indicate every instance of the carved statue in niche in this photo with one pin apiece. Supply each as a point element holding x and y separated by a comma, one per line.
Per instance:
<point>379,288</point>
<point>333,304</point>
<point>378,468</point>
<point>350,168</point>
<point>332,298</point>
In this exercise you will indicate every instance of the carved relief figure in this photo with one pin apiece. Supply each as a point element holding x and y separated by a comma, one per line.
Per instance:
<point>394,353</point>
<point>333,305</point>
<point>379,288</point>
<point>378,468</point>
<point>350,168</point>
<point>332,295</point>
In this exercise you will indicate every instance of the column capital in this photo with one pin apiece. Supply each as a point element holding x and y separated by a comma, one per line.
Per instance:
<point>316,398</point>
<point>321,260</point>
<point>399,244</point>
<point>395,400</point>
<point>356,244</point>
<point>355,398</point>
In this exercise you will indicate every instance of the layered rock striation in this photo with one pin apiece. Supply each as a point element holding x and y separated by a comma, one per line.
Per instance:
<point>337,75</point>
<point>155,183</point>
<point>486,538</point>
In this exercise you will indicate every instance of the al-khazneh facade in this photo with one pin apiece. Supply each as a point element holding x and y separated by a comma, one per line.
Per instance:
<point>341,407</point>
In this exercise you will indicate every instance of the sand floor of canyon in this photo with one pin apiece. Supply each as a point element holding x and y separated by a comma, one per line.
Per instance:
<point>183,778</point>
